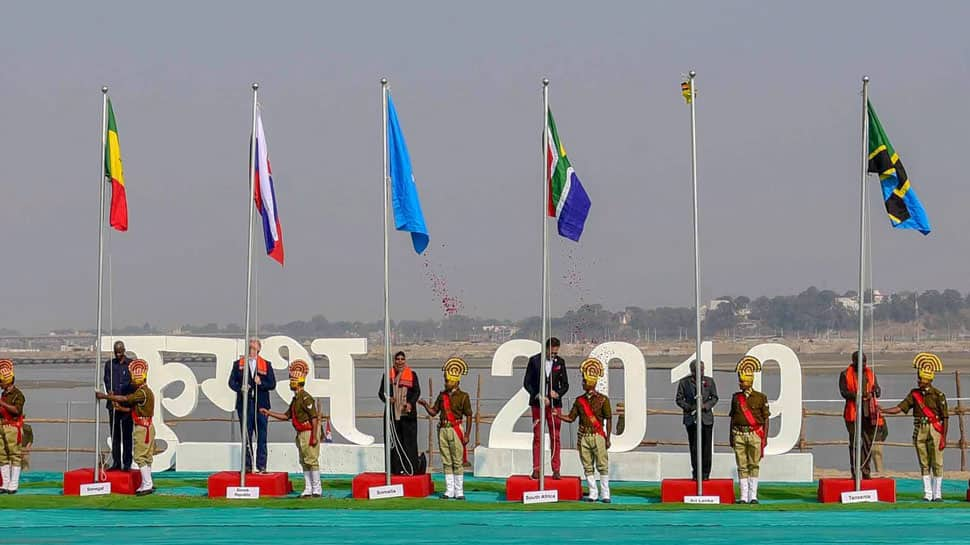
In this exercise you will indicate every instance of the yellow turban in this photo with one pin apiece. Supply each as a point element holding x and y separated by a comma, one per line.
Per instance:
<point>454,369</point>
<point>592,370</point>
<point>747,367</point>
<point>926,365</point>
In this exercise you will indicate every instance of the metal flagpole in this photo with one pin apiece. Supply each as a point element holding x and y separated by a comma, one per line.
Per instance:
<point>862,276</point>
<point>244,422</point>
<point>97,346</point>
<point>545,287</point>
<point>699,425</point>
<point>387,307</point>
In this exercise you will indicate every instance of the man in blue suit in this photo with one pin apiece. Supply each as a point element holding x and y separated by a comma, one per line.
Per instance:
<point>262,381</point>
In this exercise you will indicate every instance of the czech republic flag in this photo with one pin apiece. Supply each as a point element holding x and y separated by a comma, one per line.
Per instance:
<point>265,196</point>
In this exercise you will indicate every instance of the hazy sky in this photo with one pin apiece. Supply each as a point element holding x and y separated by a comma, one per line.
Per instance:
<point>778,121</point>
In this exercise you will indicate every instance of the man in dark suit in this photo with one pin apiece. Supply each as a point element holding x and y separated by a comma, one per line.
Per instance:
<point>262,381</point>
<point>557,384</point>
<point>687,401</point>
<point>117,380</point>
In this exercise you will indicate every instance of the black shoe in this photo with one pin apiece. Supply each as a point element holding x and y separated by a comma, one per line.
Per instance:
<point>114,467</point>
<point>145,492</point>
<point>4,491</point>
<point>606,500</point>
<point>535,475</point>
<point>445,497</point>
<point>754,501</point>
<point>126,469</point>
<point>318,495</point>
<point>460,498</point>
<point>556,476</point>
<point>588,499</point>
<point>740,502</point>
<point>927,500</point>
<point>11,491</point>
<point>938,500</point>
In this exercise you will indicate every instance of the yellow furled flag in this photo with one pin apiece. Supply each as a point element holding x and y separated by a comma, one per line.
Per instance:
<point>685,89</point>
<point>113,171</point>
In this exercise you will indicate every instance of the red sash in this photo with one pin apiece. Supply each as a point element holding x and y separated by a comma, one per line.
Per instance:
<point>588,410</point>
<point>143,421</point>
<point>15,421</point>
<point>930,415</point>
<point>749,416</point>
<point>446,405</point>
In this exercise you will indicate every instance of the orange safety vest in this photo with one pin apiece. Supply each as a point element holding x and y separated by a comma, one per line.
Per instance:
<point>407,377</point>
<point>261,366</point>
<point>852,384</point>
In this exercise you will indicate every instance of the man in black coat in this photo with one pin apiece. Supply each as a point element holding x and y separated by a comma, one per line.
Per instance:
<point>687,401</point>
<point>117,380</point>
<point>262,381</point>
<point>557,384</point>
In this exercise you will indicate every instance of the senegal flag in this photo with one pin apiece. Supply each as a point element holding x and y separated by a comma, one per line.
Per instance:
<point>113,171</point>
<point>904,208</point>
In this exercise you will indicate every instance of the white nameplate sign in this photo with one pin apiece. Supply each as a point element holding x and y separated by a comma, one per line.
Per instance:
<point>540,496</point>
<point>703,500</point>
<point>96,489</point>
<point>862,496</point>
<point>387,491</point>
<point>242,492</point>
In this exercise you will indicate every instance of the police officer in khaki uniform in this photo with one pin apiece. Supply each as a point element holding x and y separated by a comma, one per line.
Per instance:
<point>930,417</point>
<point>593,409</point>
<point>302,413</point>
<point>749,428</point>
<point>142,404</point>
<point>11,429</point>
<point>453,405</point>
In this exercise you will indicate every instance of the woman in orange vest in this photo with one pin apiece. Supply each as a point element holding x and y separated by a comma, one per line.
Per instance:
<point>849,388</point>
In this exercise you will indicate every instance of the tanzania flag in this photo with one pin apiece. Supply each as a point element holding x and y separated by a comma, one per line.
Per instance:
<point>567,199</point>
<point>113,171</point>
<point>904,209</point>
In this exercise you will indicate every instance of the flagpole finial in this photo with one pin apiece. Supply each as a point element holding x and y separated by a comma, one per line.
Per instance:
<point>104,89</point>
<point>865,79</point>
<point>255,86</point>
<point>545,82</point>
<point>692,73</point>
<point>383,81</point>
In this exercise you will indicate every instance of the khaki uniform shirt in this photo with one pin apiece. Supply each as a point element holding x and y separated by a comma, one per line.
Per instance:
<point>303,407</point>
<point>599,403</point>
<point>461,405</point>
<point>935,401</point>
<point>757,403</point>
<point>15,397</point>
<point>142,401</point>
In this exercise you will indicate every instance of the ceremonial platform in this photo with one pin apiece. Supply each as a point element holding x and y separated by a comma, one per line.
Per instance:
<point>415,486</point>
<point>830,490</point>
<point>122,482</point>
<point>675,490</point>
<point>569,488</point>
<point>269,484</point>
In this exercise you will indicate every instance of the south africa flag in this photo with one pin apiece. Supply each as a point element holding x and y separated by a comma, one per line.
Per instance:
<point>568,200</point>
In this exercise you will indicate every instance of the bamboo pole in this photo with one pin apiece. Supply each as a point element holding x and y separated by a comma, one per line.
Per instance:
<point>963,437</point>
<point>478,410</point>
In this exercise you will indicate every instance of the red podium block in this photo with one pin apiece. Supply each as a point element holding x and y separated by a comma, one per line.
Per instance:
<point>122,482</point>
<point>269,484</point>
<point>830,490</point>
<point>415,486</point>
<point>675,490</point>
<point>570,488</point>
